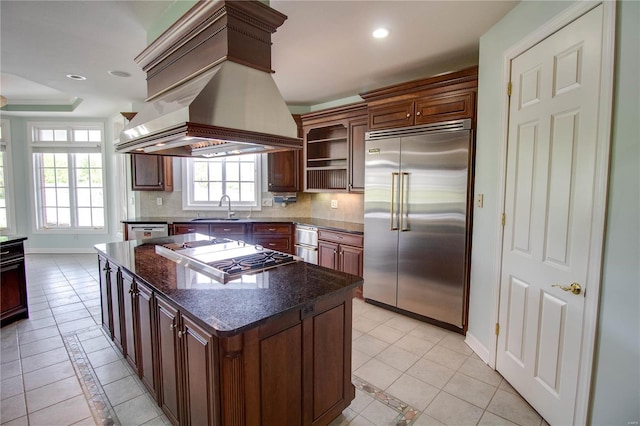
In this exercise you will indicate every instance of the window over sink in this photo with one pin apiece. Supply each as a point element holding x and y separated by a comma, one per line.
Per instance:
<point>206,180</point>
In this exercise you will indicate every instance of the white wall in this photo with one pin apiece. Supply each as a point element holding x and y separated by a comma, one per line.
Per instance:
<point>616,385</point>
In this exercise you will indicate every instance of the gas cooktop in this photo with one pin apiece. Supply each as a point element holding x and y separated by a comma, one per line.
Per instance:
<point>223,259</point>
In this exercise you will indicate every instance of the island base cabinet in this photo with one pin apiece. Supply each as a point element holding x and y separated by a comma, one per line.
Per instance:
<point>146,322</point>
<point>293,371</point>
<point>167,320</point>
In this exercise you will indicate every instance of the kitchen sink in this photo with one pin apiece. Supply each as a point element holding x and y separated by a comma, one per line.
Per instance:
<point>213,219</point>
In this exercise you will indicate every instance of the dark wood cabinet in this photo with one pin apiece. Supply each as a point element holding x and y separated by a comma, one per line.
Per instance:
<point>343,252</point>
<point>334,149</point>
<point>151,173</point>
<point>187,228</point>
<point>146,337</point>
<point>13,283</point>
<point>167,321</point>
<point>199,374</point>
<point>233,231</point>
<point>105,294</point>
<point>129,319</point>
<point>442,98</point>
<point>284,171</point>
<point>274,236</point>
<point>115,292</point>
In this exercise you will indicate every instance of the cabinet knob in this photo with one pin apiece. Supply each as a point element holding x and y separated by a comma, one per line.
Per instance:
<point>335,251</point>
<point>418,113</point>
<point>172,327</point>
<point>408,115</point>
<point>270,184</point>
<point>180,334</point>
<point>159,183</point>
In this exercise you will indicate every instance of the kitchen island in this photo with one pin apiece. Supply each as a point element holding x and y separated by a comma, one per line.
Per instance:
<point>270,347</point>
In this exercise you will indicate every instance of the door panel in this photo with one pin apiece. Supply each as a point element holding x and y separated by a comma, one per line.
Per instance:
<point>432,238</point>
<point>381,245</point>
<point>549,209</point>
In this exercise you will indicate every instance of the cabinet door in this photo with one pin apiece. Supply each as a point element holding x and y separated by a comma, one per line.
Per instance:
<point>199,374</point>
<point>129,319</point>
<point>115,292</point>
<point>284,171</point>
<point>351,260</point>
<point>13,291</point>
<point>151,173</point>
<point>146,338</point>
<point>200,228</point>
<point>445,108</point>
<point>167,320</point>
<point>328,254</point>
<point>389,116</point>
<point>357,131</point>
<point>105,294</point>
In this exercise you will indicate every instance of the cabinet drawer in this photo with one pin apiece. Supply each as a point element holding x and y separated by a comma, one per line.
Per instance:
<point>189,228</point>
<point>340,237</point>
<point>275,243</point>
<point>389,116</point>
<point>223,229</point>
<point>272,228</point>
<point>444,108</point>
<point>11,251</point>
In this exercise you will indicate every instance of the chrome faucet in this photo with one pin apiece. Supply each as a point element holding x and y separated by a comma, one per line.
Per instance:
<point>229,212</point>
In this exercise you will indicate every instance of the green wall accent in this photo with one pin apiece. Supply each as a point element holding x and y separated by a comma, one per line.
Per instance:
<point>175,10</point>
<point>616,374</point>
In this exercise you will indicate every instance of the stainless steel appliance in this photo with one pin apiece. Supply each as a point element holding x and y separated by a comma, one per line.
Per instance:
<point>307,243</point>
<point>141,231</point>
<point>417,221</point>
<point>223,259</point>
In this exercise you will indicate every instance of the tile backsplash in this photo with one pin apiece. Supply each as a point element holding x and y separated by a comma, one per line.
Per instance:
<point>350,207</point>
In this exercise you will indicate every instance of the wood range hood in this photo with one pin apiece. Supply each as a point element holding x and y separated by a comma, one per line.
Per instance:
<point>210,92</point>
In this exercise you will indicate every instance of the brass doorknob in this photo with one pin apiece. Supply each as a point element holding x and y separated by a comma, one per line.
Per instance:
<point>574,288</point>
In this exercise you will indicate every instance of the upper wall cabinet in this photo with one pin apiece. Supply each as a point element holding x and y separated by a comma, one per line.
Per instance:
<point>285,168</point>
<point>445,97</point>
<point>151,173</point>
<point>334,149</point>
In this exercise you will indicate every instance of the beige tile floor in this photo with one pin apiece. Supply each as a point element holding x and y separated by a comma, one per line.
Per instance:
<point>58,368</point>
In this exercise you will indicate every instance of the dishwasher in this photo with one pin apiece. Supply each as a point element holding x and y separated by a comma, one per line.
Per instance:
<point>307,243</point>
<point>141,231</point>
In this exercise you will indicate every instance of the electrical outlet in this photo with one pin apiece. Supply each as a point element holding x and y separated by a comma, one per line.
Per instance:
<point>159,201</point>
<point>334,204</point>
<point>480,200</point>
<point>267,202</point>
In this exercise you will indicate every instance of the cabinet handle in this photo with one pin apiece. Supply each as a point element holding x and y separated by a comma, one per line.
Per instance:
<point>227,230</point>
<point>418,113</point>
<point>5,252</point>
<point>132,291</point>
<point>272,229</point>
<point>191,229</point>
<point>106,268</point>
<point>271,244</point>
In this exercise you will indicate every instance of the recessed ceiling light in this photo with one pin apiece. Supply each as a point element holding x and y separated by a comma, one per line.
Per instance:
<point>381,33</point>
<point>117,73</point>
<point>76,77</point>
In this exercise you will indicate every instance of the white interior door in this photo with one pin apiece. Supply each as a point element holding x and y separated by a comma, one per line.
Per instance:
<point>549,203</point>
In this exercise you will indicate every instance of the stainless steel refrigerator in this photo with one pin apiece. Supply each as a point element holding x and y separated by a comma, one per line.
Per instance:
<point>417,219</point>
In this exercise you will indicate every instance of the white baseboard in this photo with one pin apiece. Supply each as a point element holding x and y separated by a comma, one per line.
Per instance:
<point>80,250</point>
<point>478,348</point>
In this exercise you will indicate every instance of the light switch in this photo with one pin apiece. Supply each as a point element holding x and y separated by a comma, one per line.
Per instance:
<point>334,204</point>
<point>480,200</point>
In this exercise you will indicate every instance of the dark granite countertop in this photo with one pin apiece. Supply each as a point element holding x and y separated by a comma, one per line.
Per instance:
<point>227,309</point>
<point>351,227</point>
<point>12,239</point>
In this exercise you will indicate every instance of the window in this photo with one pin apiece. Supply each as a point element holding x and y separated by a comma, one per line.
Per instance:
<point>207,180</point>
<point>68,176</point>
<point>7,217</point>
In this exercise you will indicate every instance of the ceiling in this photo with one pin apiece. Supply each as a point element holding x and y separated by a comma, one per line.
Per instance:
<point>323,52</point>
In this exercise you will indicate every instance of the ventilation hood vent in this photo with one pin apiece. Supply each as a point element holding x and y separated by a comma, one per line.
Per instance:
<point>225,103</point>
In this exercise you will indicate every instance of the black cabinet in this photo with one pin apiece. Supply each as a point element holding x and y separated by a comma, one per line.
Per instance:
<point>13,282</point>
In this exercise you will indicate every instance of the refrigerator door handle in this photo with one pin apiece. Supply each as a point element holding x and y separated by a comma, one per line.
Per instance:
<point>404,207</point>
<point>394,215</point>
